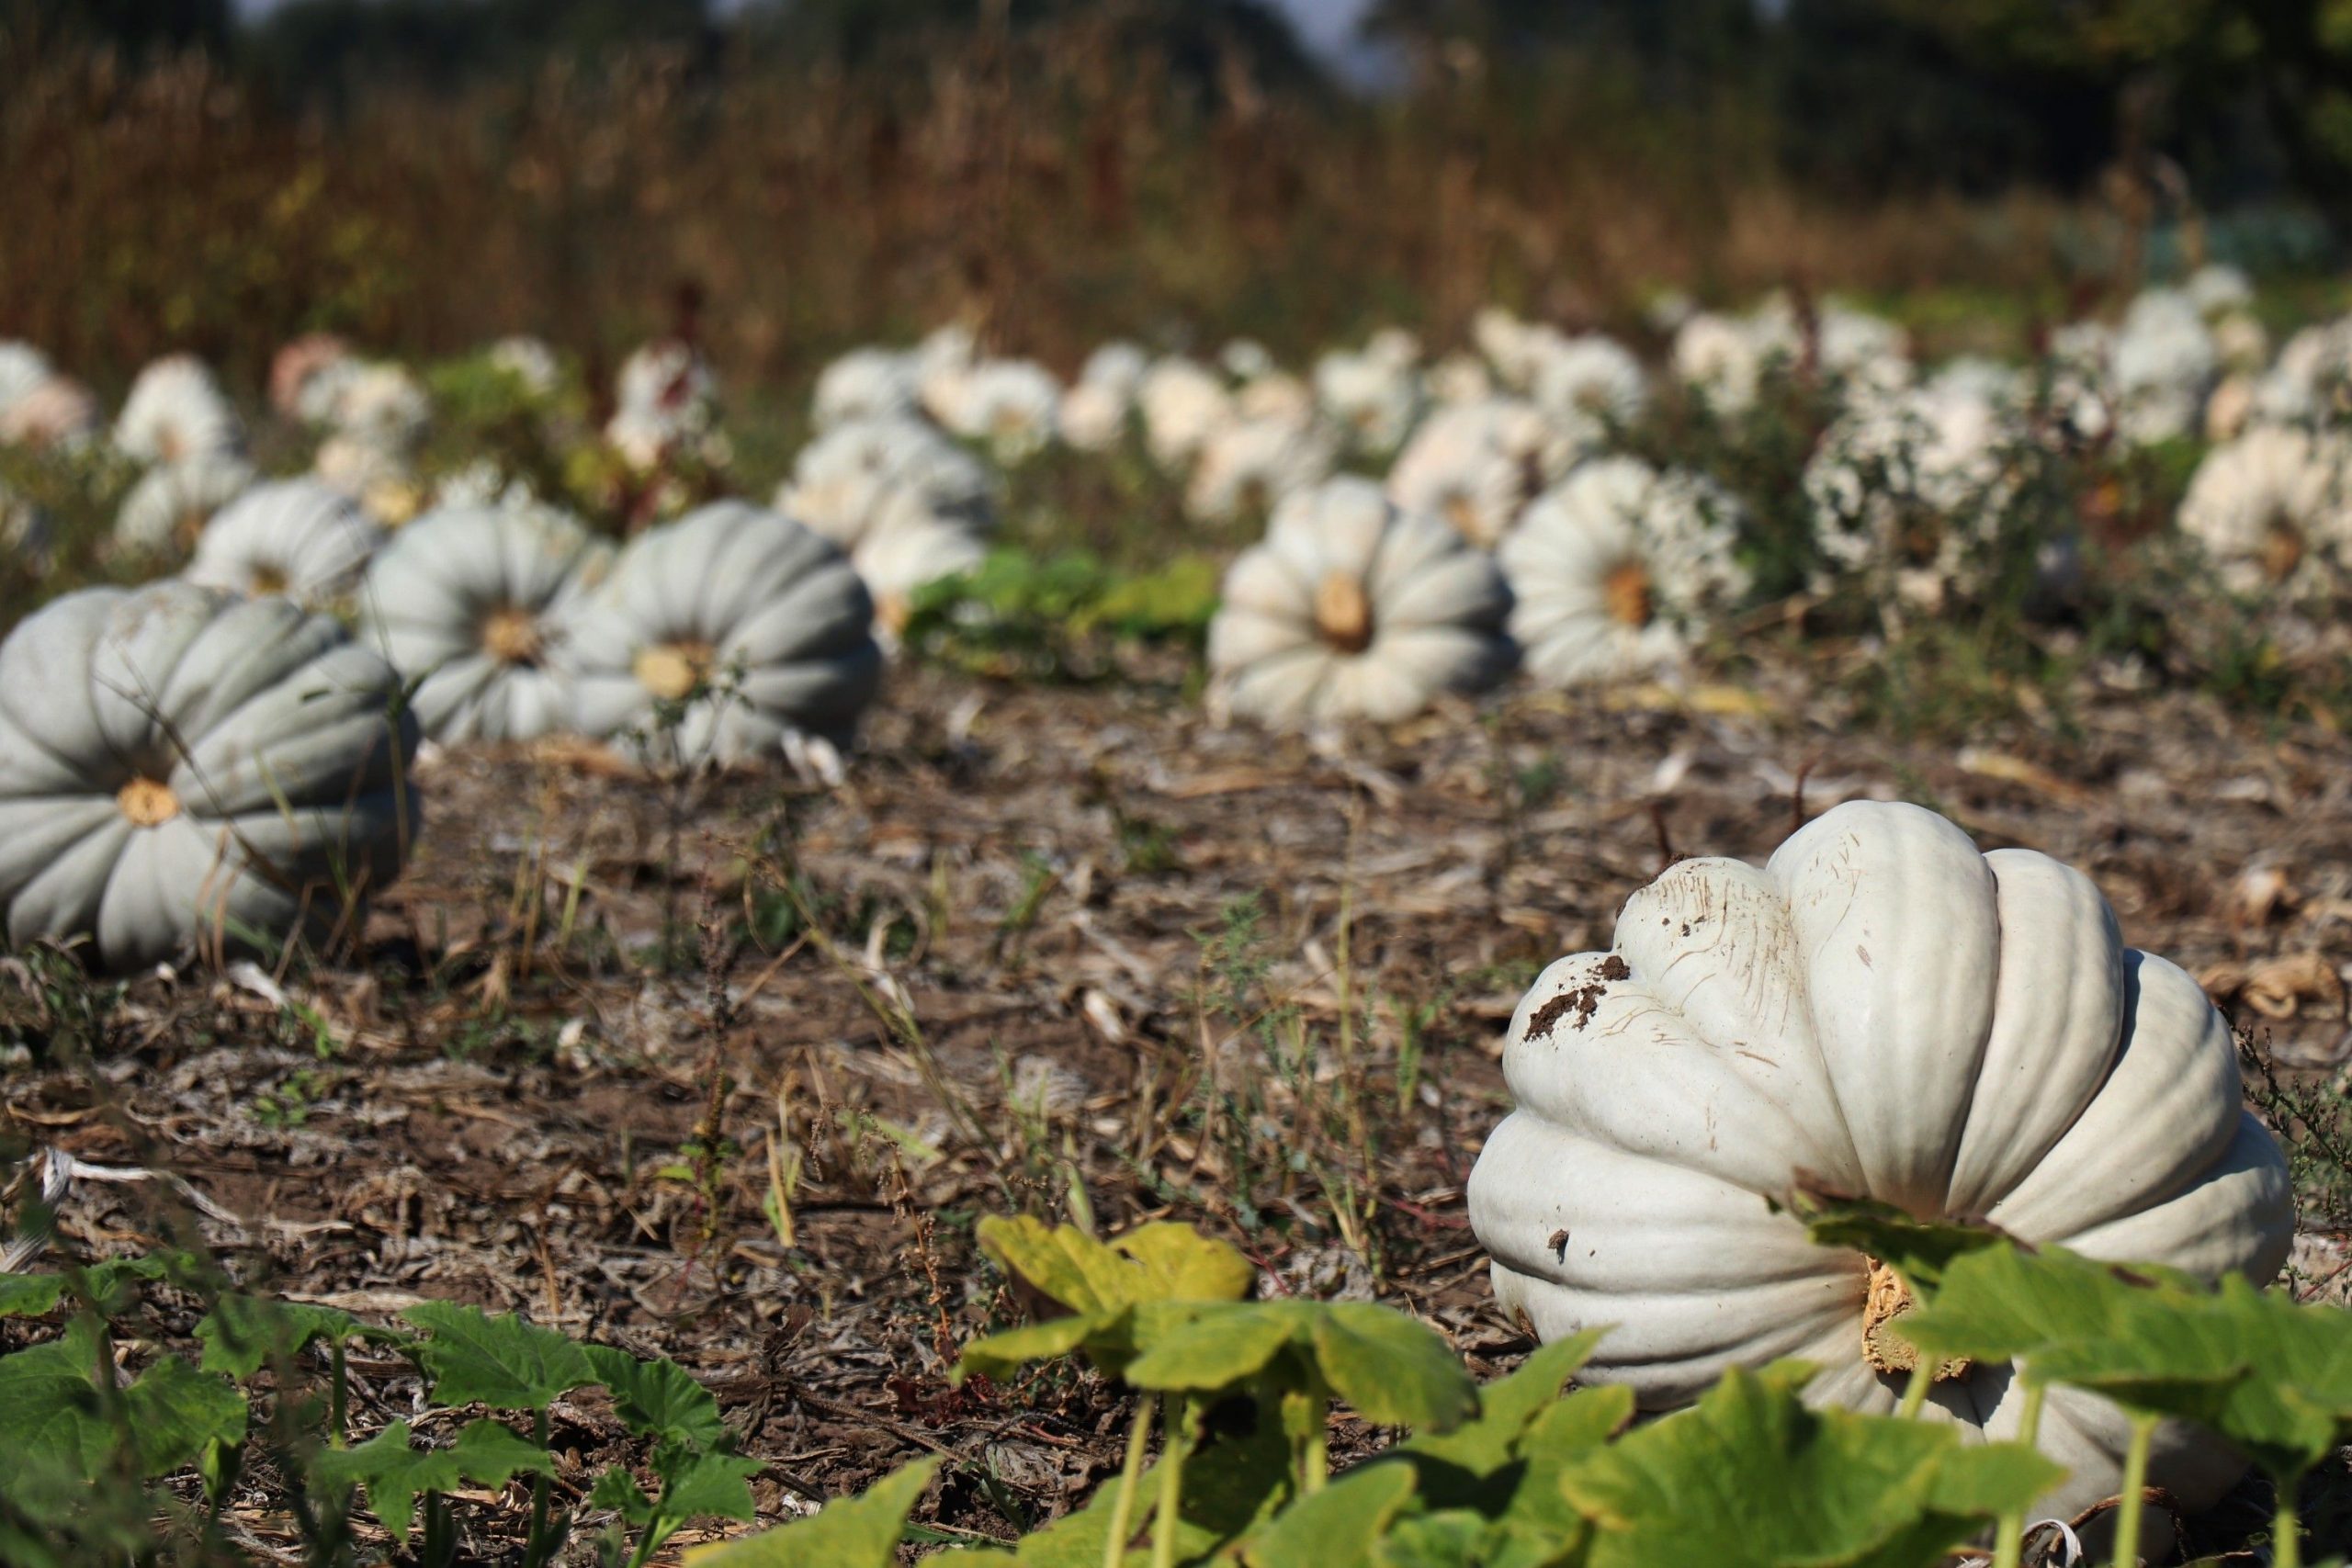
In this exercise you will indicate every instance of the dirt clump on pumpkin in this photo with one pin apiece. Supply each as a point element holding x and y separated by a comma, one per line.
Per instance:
<point>1584,1001</point>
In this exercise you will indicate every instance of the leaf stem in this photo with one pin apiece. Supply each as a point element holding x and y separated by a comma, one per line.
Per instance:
<point>1315,1438</point>
<point>2008,1535</point>
<point>338,1395</point>
<point>537,1551</point>
<point>1173,1450</point>
<point>1123,1503</point>
<point>2134,1491</point>
<point>1915,1393</point>
<point>2286,1527</point>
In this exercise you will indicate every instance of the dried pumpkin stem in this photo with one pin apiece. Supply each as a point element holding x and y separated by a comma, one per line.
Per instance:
<point>671,670</point>
<point>1627,594</point>
<point>148,803</point>
<point>511,635</point>
<point>1343,613</point>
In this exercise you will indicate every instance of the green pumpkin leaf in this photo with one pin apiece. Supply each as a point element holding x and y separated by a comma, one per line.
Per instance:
<point>1199,1349</point>
<point>174,1411</point>
<point>1452,1538</point>
<point>2002,1303</point>
<point>1920,1250</point>
<point>50,1408</point>
<point>1231,1486</point>
<point>29,1295</point>
<point>243,1334</point>
<point>473,1358</point>
<point>391,1473</point>
<point>658,1399</point>
<point>1062,1263</point>
<point>617,1489</point>
<point>2272,1377</point>
<point>707,1486</point>
<point>1179,1264</point>
<point>1001,1355</point>
<point>852,1532</point>
<point>1395,1370</point>
<point>1100,1286</point>
<point>1336,1528</point>
<point>1751,1478</point>
<point>394,1473</point>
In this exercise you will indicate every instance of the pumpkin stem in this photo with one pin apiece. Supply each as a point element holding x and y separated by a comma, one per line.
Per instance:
<point>511,635</point>
<point>2282,549</point>
<point>1461,509</point>
<point>148,803</point>
<point>672,670</point>
<point>267,579</point>
<point>1885,1350</point>
<point>1626,592</point>
<point>1343,613</point>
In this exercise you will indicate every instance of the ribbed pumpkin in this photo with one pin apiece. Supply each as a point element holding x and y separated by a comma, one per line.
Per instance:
<point>299,537</point>
<point>181,768</point>
<point>475,603</point>
<point>1882,1010</point>
<point>718,634</point>
<point>1354,609</point>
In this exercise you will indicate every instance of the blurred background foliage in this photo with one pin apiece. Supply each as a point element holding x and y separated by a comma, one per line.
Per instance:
<point>818,172</point>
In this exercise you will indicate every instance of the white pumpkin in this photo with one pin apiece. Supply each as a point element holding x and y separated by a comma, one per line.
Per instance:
<point>1372,395</point>
<point>1250,465</point>
<point>909,548</point>
<point>1511,345</point>
<point>381,406</point>
<point>1181,402</point>
<point>1012,405</point>
<point>717,636</point>
<point>1613,572</point>
<point>474,603</point>
<point>57,412</point>
<point>1095,410</point>
<point>168,508</point>
<point>181,768</point>
<point>1353,608</point>
<point>866,383</point>
<point>176,411</point>
<point>2165,362</point>
<point>2311,381</point>
<point>1478,465</point>
<point>22,367</point>
<point>2272,510</point>
<point>1885,1011</point>
<point>299,537</point>
<point>1724,357</point>
<point>1587,386</point>
<point>845,480</point>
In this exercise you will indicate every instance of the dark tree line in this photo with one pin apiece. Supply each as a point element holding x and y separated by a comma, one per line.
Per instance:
<point>2244,99</point>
